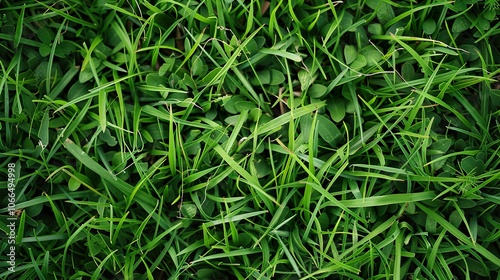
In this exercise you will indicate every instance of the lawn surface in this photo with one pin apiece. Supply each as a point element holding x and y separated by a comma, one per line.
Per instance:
<point>312,139</point>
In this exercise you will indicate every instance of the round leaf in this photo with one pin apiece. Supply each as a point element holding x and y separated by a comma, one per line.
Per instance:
<point>460,24</point>
<point>154,79</point>
<point>350,54</point>
<point>108,138</point>
<point>198,68</point>
<point>471,53</point>
<point>372,55</point>
<point>430,225</point>
<point>244,105</point>
<point>407,71</point>
<point>44,50</point>
<point>230,105</point>
<point>441,145</point>
<point>34,210</point>
<point>232,120</point>
<point>145,134</point>
<point>277,77</point>
<point>375,29</point>
<point>328,130</point>
<point>455,219</point>
<point>73,184</point>
<point>45,35</point>
<point>429,26</point>
<point>75,181</point>
<point>254,114</point>
<point>317,91</point>
<point>359,63</point>
<point>336,107</point>
<point>263,78</point>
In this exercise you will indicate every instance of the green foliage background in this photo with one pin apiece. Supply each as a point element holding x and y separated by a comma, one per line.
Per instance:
<point>251,139</point>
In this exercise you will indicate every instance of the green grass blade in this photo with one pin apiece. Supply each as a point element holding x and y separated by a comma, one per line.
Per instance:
<point>459,235</point>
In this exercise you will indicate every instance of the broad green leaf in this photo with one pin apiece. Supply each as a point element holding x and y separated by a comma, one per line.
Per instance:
<point>244,105</point>
<point>472,52</point>
<point>384,12</point>
<point>407,71</point>
<point>429,26</point>
<point>337,109</point>
<point>480,268</point>
<point>305,79</point>
<point>489,14</point>
<point>359,62</point>
<point>455,219</point>
<point>328,130</point>
<point>262,167</point>
<point>167,66</point>
<point>252,47</point>
<point>317,91</point>
<point>228,49</point>
<point>230,104</point>
<point>211,75</point>
<point>372,55</point>
<point>277,77</point>
<point>441,145</point>
<point>472,165</point>
<point>430,225</point>
<point>346,22</point>
<point>460,24</point>
<point>350,54</point>
<point>154,79</point>
<point>44,50</point>
<point>46,35</point>
<point>375,29</point>
<point>263,77</point>
<point>198,67</point>
<point>78,90</point>
<point>77,180</point>
<point>255,114</point>
<point>87,73</point>
<point>73,184</point>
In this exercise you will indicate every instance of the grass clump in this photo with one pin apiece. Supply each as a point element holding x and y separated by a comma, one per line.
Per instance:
<point>251,140</point>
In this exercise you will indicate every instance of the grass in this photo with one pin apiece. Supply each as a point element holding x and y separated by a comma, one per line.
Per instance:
<point>215,139</point>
